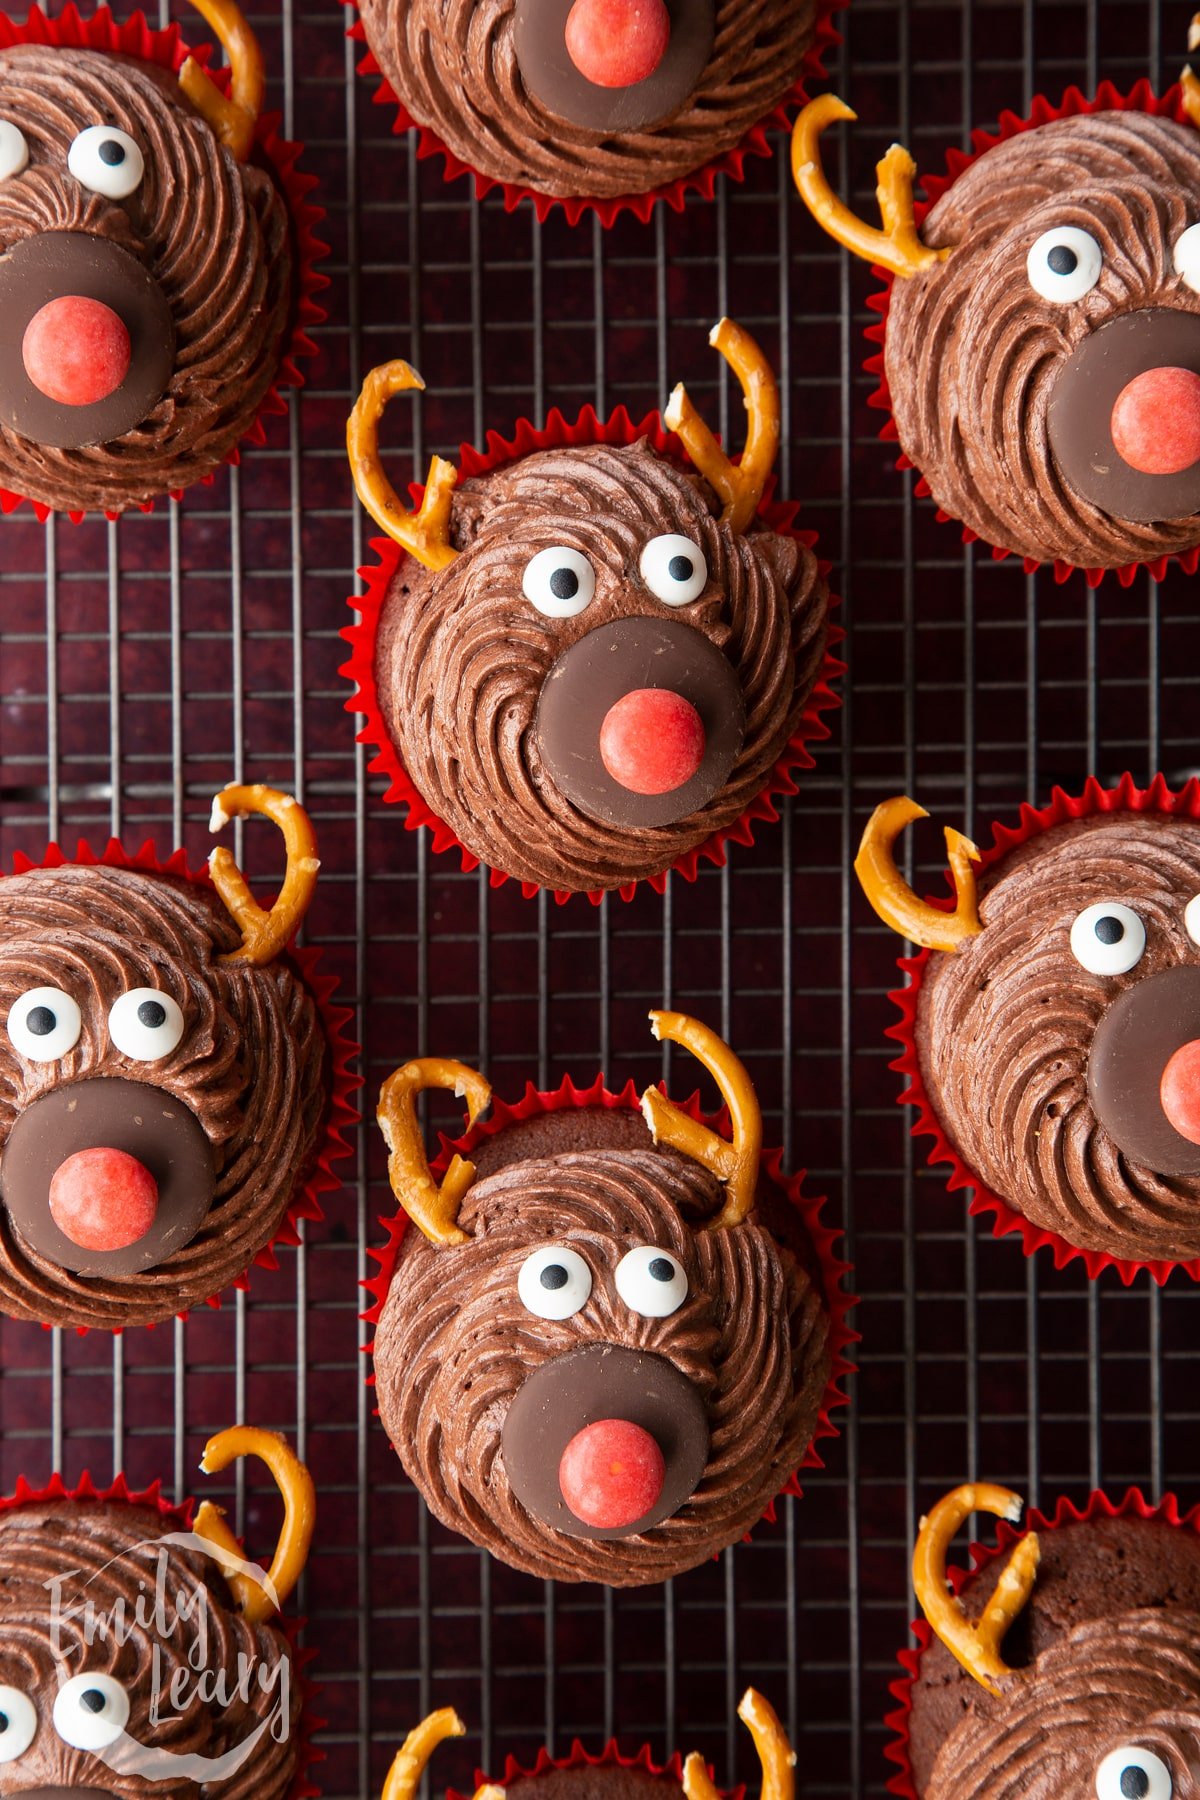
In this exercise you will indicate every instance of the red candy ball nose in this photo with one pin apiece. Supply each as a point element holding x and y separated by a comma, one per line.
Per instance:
<point>617,43</point>
<point>652,741</point>
<point>103,1199</point>
<point>1156,421</point>
<point>611,1473</point>
<point>76,351</point>
<point>1179,1091</point>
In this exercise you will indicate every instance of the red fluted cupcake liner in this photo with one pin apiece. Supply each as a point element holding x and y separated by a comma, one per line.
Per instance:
<point>340,1112</point>
<point>566,1098</point>
<point>700,181</point>
<point>166,49</point>
<point>620,430</point>
<point>1063,807</point>
<point>1140,98</point>
<point>1132,1505</point>
<point>120,1493</point>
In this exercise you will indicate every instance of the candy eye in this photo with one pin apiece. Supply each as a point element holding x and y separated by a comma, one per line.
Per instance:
<point>18,1723</point>
<point>14,151</point>
<point>674,569</point>
<point>651,1282</point>
<point>145,1024</point>
<point>1108,938</point>
<point>1187,257</point>
<point>1064,264</point>
<point>559,582</point>
<point>554,1282</point>
<point>43,1024</point>
<point>91,1712</point>
<point>107,161</point>
<point>1133,1773</point>
<point>1191,918</point>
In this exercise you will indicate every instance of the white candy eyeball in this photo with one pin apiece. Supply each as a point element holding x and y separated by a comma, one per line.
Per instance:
<point>1064,264</point>
<point>674,569</point>
<point>1187,257</point>
<point>1191,918</point>
<point>145,1024</point>
<point>107,161</point>
<point>1108,938</point>
<point>43,1024</point>
<point>18,1723</point>
<point>554,1282</point>
<point>651,1282</point>
<point>91,1712</point>
<point>14,151</point>
<point>559,582</point>
<point>1133,1773</point>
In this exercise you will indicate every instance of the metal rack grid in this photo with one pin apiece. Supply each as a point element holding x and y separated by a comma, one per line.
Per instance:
<point>143,663</point>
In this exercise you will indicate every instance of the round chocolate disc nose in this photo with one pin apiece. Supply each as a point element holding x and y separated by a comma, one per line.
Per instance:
<point>613,66</point>
<point>1132,1060</point>
<point>604,1384</point>
<point>612,663</point>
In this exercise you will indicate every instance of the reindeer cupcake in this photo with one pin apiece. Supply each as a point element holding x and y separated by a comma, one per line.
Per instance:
<point>591,659</point>
<point>1041,327</point>
<point>614,1334</point>
<point>141,1653</point>
<point>173,1079</point>
<point>155,260</point>
<point>1051,1025</point>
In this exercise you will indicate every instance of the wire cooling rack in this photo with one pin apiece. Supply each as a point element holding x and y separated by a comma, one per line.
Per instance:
<point>143,664</point>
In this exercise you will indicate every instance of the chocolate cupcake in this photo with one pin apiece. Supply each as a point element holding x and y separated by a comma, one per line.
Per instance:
<point>156,268</point>
<point>596,104</point>
<point>1051,1026</point>
<point>1066,1666</point>
<point>567,1345</point>
<point>612,1775</point>
<point>173,1077</point>
<point>141,1652</point>
<point>599,655</point>
<point>1041,325</point>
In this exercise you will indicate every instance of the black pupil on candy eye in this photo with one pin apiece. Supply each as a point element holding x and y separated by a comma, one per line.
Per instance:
<point>564,584</point>
<point>1109,931</point>
<point>1062,260</point>
<point>3,1723</point>
<point>680,568</point>
<point>41,1021</point>
<point>1135,1783</point>
<point>660,1269</point>
<point>112,153</point>
<point>92,1701</point>
<point>553,1276</point>
<point>152,1013</point>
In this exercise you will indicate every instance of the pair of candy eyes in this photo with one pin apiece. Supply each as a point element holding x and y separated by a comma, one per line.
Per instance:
<point>101,158</point>
<point>44,1024</point>
<point>90,1714</point>
<point>560,582</point>
<point>555,1282</point>
<point>1065,264</point>
<point>1109,938</point>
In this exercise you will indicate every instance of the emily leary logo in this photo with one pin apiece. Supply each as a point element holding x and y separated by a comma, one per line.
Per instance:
<point>169,1609</point>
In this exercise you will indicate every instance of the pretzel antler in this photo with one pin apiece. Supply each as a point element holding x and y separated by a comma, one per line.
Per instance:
<point>257,1603</point>
<point>264,934</point>
<point>897,247</point>
<point>233,119</point>
<point>424,534</point>
<point>736,1163</point>
<point>431,1208</point>
<point>775,1753</point>
<point>739,485</point>
<point>408,1764</point>
<point>891,896</point>
<point>974,1642</point>
<point>1188,80</point>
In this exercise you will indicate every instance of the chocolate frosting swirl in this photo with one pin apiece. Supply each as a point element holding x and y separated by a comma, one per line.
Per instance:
<point>461,655</point>
<point>107,1555</point>
<point>1005,1025</point>
<point>251,1066</point>
<point>1133,1679</point>
<point>453,64</point>
<point>454,1345</point>
<point>215,235</point>
<point>972,352</point>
